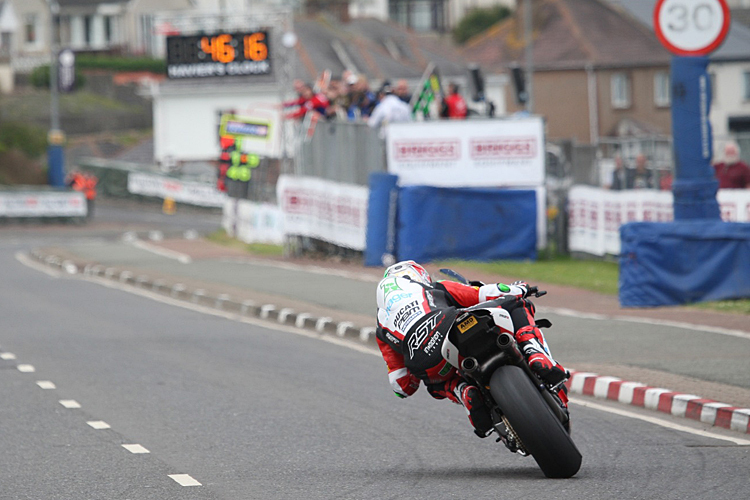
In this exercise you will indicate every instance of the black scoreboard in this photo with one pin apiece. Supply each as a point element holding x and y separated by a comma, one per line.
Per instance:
<point>219,54</point>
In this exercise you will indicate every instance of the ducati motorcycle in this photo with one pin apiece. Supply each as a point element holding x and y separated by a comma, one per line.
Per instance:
<point>528,415</point>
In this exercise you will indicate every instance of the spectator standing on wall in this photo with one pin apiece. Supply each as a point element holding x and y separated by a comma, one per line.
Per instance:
<point>732,173</point>
<point>391,109</point>
<point>454,105</point>
<point>309,101</point>
<point>642,177</point>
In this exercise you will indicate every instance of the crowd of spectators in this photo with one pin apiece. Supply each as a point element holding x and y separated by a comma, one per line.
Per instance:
<point>352,98</point>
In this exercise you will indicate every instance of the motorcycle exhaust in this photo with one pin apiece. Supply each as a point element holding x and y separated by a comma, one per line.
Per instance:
<point>508,345</point>
<point>469,365</point>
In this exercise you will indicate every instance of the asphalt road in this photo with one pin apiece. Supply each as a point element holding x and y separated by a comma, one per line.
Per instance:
<point>251,411</point>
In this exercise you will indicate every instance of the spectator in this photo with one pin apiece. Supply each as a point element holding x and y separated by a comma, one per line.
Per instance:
<point>642,177</point>
<point>619,175</point>
<point>454,106</point>
<point>665,180</point>
<point>732,173</point>
<point>362,100</point>
<point>402,91</point>
<point>308,101</point>
<point>391,109</point>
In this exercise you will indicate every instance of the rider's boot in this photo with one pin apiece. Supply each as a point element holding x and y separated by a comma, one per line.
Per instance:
<point>532,344</point>
<point>479,413</point>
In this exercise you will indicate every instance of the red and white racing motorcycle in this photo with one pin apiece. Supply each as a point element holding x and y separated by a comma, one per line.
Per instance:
<point>528,415</point>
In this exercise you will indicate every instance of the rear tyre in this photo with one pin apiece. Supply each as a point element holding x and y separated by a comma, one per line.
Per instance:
<point>540,431</point>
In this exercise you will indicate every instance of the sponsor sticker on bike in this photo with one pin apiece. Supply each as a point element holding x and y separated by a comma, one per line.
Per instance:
<point>466,324</point>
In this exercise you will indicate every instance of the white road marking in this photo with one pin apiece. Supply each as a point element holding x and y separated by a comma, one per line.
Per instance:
<point>135,448</point>
<point>658,421</point>
<point>46,384</point>
<point>170,254</point>
<point>7,355</point>
<point>184,480</point>
<point>29,262</point>
<point>26,368</point>
<point>99,424</point>
<point>70,403</point>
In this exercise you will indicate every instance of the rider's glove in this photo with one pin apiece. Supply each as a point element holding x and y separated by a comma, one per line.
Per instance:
<point>520,288</point>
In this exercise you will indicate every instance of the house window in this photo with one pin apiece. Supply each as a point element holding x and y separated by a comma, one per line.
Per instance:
<point>88,22</point>
<point>661,89</point>
<point>620,90</point>
<point>30,30</point>
<point>747,85</point>
<point>420,15</point>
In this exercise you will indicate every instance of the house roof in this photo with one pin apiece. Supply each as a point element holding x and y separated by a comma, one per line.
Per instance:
<point>735,47</point>
<point>378,49</point>
<point>569,34</point>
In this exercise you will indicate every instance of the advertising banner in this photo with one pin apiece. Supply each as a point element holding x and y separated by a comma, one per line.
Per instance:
<point>193,193</point>
<point>322,209</point>
<point>253,222</point>
<point>63,204</point>
<point>595,215</point>
<point>468,153</point>
<point>256,131</point>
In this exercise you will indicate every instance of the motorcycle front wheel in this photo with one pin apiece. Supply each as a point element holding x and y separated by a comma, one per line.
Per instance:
<point>540,431</point>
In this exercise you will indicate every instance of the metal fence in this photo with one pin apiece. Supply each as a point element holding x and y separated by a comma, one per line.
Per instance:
<point>345,152</point>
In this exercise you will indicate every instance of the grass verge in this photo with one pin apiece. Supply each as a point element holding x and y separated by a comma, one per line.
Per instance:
<point>260,249</point>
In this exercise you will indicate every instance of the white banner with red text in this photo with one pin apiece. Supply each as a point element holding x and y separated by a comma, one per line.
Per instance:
<point>327,210</point>
<point>253,222</point>
<point>42,204</point>
<point>595,215</point>
<point>189,192</point>
<point>468,153</point>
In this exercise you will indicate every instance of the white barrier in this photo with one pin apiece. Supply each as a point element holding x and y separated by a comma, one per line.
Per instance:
<point>253,222</point>
<point>330,211</point>
<point>43,204</point>
<point>595,215</point>
<point>193,193</point>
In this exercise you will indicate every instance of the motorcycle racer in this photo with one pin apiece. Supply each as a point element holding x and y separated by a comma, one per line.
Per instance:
<point>414,315</point>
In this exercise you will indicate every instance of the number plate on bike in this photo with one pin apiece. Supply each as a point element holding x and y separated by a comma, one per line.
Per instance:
<point>466,324</point>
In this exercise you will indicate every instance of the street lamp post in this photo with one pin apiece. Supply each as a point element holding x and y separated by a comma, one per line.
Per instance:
<point>56,137</point>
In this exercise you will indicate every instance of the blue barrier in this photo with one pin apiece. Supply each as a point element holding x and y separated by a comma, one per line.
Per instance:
<point>683,261</point>
<point>466,223</point>
<point>380,239</point>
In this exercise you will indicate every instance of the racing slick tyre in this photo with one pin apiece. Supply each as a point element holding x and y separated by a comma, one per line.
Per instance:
<point>539,430</point>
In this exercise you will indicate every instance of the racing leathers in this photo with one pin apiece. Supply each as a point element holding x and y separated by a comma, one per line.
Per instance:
<point>414,319</point>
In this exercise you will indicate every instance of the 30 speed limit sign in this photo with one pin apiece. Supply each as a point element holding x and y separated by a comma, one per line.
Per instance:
<point>691,27</point>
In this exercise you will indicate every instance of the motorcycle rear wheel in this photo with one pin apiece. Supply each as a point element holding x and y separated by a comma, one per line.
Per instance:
<point>540,431</point>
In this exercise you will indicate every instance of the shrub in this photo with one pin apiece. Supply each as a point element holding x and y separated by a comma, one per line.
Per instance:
<point>478,20</point>
<point>30,140</point>
<point>118,63</point>
<point>40,77</point>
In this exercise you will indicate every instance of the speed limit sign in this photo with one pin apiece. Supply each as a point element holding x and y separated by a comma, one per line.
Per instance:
<point>691,27</point>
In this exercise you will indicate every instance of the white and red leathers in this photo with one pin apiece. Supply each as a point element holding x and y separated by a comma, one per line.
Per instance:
<point>413,319</point>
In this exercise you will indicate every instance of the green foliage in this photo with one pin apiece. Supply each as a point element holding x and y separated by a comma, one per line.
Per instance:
<point>31,140</point>
<point>478,20</point>
<point>262,249</point>
<point>116,63</point>
<point>40,77</point>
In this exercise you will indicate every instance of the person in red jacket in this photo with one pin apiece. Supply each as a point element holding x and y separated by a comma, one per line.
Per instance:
<point>454,106</point>
<point>308,101</point>
<point>411,307</point>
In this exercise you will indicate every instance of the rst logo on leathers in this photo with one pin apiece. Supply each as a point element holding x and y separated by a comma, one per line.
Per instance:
<point>424,331</point>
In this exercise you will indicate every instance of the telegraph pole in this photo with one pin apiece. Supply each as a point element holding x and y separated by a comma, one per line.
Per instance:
<point>55,137</point>
<point>529,54</point>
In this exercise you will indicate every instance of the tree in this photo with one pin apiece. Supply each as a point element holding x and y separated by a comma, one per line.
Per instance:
<point>478,20</point>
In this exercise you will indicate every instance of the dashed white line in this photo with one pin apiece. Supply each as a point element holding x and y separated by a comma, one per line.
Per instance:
<point>99,424</point>
<point>7,355</point>
<point>46,384</point>
<point>70,403</point>
<point>26,368</point>
<point>135,448</point>
<point>184,480</point>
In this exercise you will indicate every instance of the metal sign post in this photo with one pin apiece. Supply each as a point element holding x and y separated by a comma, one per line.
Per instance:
<point>692,29</point>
